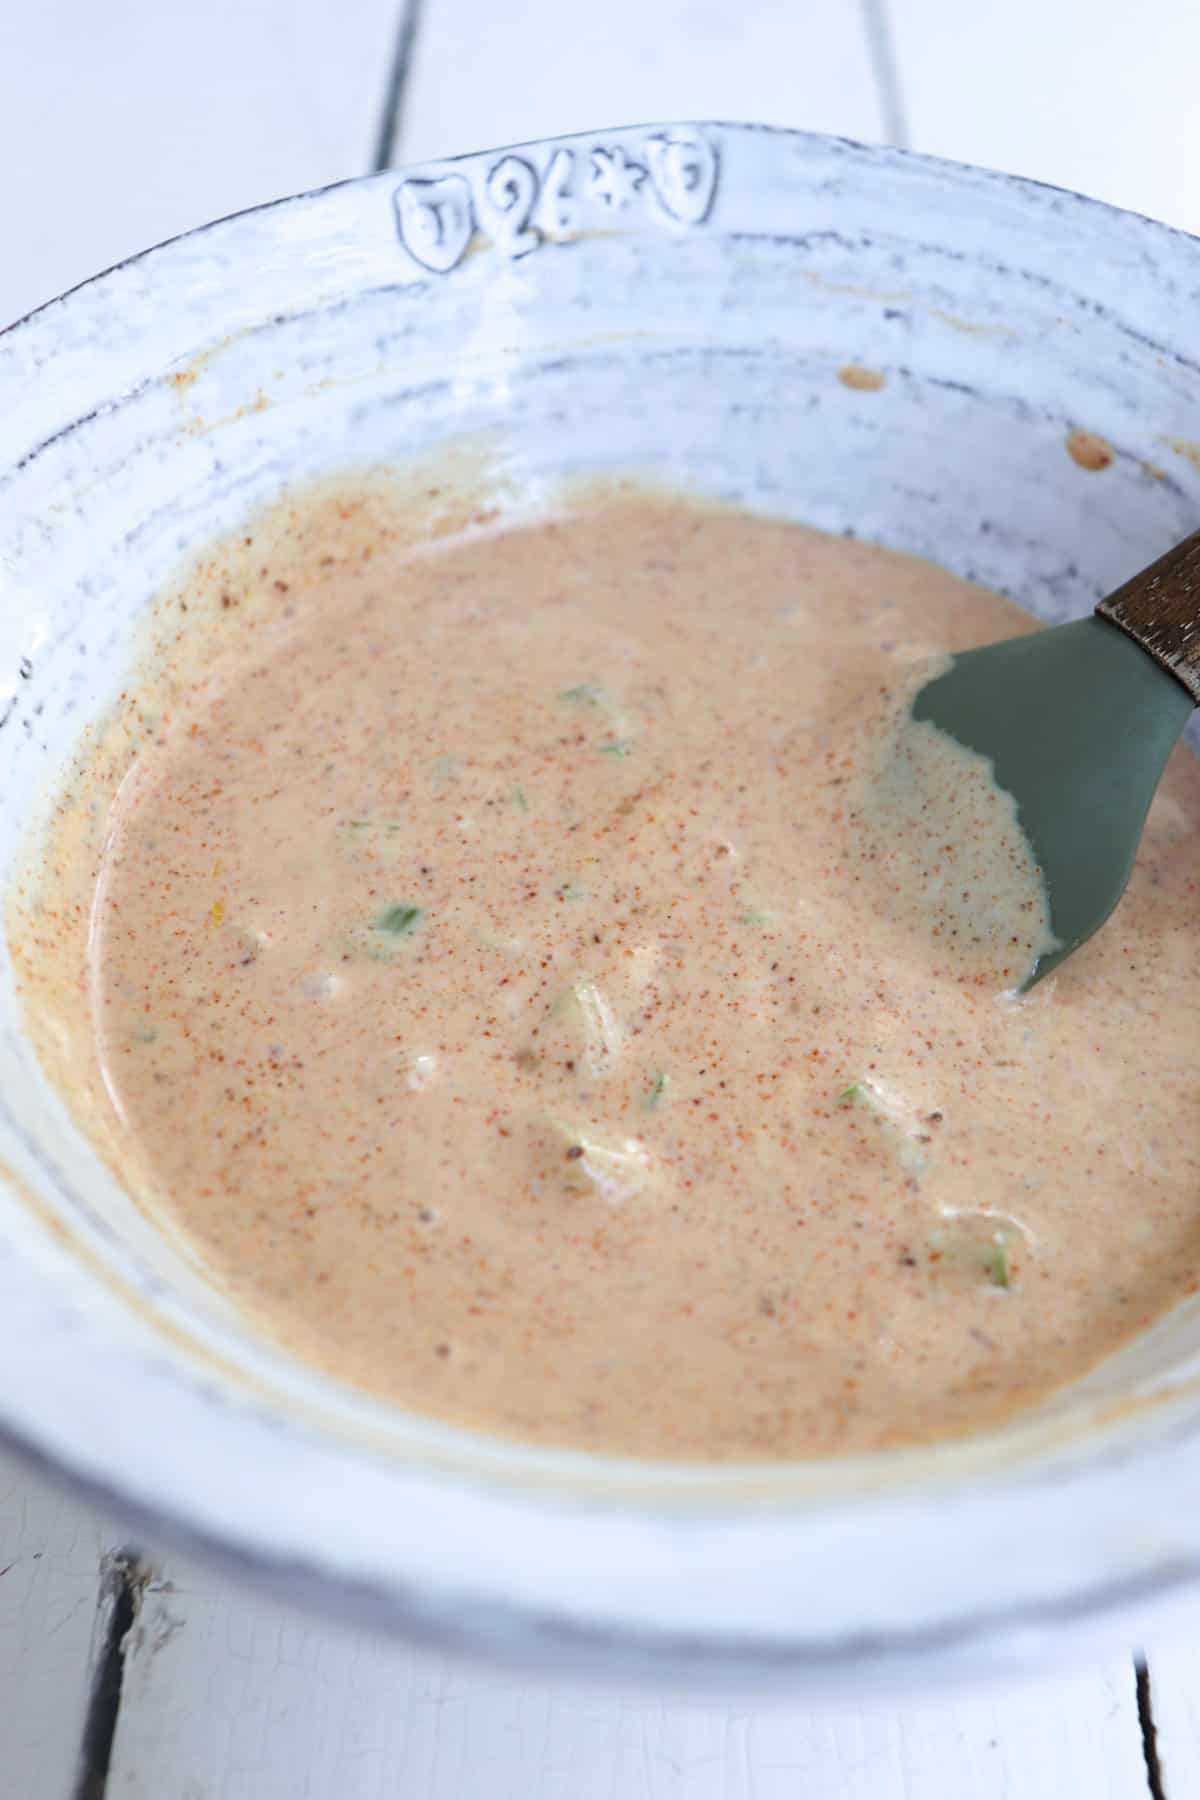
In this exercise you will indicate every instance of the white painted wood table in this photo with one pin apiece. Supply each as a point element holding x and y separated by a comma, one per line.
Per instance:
<point>125,122</point>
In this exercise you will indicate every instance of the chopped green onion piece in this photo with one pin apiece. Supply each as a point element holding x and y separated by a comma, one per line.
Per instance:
<point>997,1263</point>
<point>658,1088</point>
<point>620,747</point>
<point>978,1243</point>
<point>519,800</point>
<point>399,920</point>
<point>586,694</point>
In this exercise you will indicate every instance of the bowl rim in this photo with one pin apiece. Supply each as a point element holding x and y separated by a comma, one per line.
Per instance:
<point>971,1648</point>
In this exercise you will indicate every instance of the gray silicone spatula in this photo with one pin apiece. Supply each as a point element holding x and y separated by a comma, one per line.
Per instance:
<point>1079,721</point>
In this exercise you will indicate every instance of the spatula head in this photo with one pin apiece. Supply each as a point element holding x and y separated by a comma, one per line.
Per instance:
<point>1078,723</point>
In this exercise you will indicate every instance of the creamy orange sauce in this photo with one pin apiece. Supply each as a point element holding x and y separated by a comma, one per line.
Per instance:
<point>554,987</point>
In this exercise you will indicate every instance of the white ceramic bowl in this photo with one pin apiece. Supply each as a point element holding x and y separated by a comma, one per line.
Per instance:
<point>676,300</point>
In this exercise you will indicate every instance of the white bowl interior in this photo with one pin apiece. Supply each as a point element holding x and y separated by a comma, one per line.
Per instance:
<point>688,325</point>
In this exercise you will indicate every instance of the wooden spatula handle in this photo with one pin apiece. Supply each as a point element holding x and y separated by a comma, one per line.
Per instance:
<point>1160,609</point>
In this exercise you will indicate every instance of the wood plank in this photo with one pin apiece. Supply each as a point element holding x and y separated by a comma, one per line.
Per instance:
<point>124,123</point>
<point>226,1694</point>
<point>533,70</point>
<point>50,1551</point>
<point>1090,94</point>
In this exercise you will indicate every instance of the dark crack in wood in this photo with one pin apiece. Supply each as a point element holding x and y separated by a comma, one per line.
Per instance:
<point>1145,1710</point>
<point>392,117</point>
<point>882,51</point>
<point>123,1579</point>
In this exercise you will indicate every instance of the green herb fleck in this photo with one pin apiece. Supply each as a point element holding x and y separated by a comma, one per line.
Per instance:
<point>519,800</point>
<point>619,747</point>
<point>381,940</point>
<point>997,1262</point>
<point>657,1089</point>
<point>754,915</point>
<point>399,921</point>
<point>586,694</point>
<point>145,1034</point>
<point>865,1093</point>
